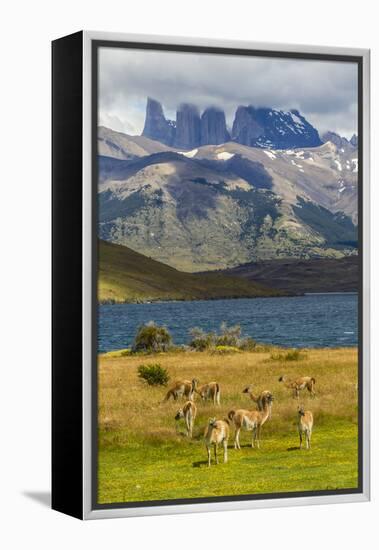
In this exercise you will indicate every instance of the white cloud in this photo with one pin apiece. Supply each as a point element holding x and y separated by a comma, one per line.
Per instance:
<point>323,91</point>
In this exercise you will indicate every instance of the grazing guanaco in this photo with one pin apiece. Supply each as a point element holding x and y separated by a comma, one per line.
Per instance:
<point>298,384</point>
<point>258,399</point>
<point>182,388</point>
<point>251,420</point>
<point>188,412</point>
<point>210,391</point>
<point>215,433</point>
<point>305,426</point>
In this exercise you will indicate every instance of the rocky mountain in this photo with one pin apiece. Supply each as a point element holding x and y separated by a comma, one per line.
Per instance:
<point>253,127</point>
<point>218,206</point>
<point>272,128</point>
<point>354,140</point>
<point>341,142</point>
<point>187,126</point>
<point>213,127</point>
<point>122,146</point>
<point>156,126</point>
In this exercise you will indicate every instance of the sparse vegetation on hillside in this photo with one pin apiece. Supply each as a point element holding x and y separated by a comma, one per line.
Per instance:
<point>127,276</point>
<point>299,276</point>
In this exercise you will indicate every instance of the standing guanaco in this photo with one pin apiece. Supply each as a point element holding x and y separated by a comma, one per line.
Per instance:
<point>210,391</point>
<point>215,433</point>
<point>258,399</point>
<point>298,384</point>
<point>251,420</point>
<point>305,426</point>
<point>182,388</point>
<point>188,412</point>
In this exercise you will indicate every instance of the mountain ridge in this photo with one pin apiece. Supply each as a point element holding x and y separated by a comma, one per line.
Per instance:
<point>317,275</point>
<point>255,127</point>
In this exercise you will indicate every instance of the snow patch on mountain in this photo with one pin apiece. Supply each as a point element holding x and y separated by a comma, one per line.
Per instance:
<point>189,154</point>
<point>224,155</point>
<point>270,154</point>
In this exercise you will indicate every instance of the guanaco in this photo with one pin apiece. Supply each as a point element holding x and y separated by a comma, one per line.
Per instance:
<point>182,388</point>
<point>188,412</point>
<point>251,420</point>
<point>298,384</point>
<point>210,391</point>
<point>305,426</point>
<point>215,433</point>
<point>258,399</point>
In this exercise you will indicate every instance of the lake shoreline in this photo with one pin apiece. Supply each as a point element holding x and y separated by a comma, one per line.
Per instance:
<point>126,352</point>
<point>328,320</point>
<point>213,299</point>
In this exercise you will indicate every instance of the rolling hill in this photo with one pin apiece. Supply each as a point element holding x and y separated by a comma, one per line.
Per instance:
<point>127,276</point>
<point>302,276</point>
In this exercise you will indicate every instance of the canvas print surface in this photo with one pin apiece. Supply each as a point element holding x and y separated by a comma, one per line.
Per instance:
<point>228,275</point>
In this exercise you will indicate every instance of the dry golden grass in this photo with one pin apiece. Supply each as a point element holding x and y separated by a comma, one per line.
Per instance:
<point>131,405</point>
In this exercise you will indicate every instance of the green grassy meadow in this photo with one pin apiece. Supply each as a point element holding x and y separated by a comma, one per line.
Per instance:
<point>144,453</point>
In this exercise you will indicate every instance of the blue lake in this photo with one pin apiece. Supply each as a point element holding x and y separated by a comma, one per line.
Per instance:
<point>315,320</point>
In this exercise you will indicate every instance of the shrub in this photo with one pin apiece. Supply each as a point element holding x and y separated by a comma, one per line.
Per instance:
<point>294,355</point>
<point>248,344</point>
<point>153,374</point>
<point>229,336</point>
<point>200,340</point>
<point>152,338</point>
<point>226,349</point>
<point>291,355</point>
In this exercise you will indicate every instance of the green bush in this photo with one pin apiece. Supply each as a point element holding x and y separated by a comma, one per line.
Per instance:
<point>153,374</point>
<point>248,344</point>
<point>226,349</point>
<point>152,338</point>
<point>291,355</point>
<point>229,337</point>
<point>200,340</point>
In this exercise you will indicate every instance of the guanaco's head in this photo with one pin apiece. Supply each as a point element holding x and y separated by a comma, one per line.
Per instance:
<point>179,414</point>
<point>248,389</point>
<point>268,398</point>
<point>199,391</point>
<point>301,411</point>
<point>194,382</point>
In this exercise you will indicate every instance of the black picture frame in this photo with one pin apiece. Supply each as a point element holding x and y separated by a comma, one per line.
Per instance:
<point>69,484</point>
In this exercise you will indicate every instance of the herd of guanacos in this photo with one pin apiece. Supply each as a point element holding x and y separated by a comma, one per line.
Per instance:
<point>217,432</point>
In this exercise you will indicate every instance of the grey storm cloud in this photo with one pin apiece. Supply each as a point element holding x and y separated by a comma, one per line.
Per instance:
<point>325,92</point>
